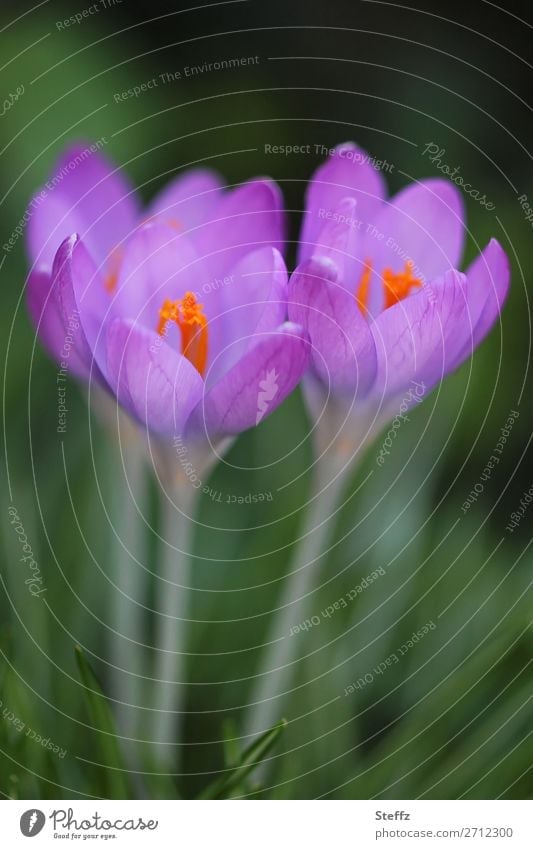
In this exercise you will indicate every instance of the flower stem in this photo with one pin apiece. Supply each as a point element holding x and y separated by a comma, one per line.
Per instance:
<point>126,650</point>
<point>281,653</point>
<point>173,580</point>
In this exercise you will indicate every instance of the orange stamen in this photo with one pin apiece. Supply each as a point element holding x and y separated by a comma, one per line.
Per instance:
<point>188,314</point>
<point>361,295</point>
<point>398,285</point>
<point>113,268</point>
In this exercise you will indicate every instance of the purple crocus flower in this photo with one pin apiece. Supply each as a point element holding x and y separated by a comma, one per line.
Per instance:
<point>179,310</point>
<point>377,287</point>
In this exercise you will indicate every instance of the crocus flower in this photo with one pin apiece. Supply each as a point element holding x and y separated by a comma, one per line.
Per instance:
<point>378,289</point>
<point>179,310</point>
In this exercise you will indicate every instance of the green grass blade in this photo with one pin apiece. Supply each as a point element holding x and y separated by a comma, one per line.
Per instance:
<point>114,778</point>
<point>251,757</point>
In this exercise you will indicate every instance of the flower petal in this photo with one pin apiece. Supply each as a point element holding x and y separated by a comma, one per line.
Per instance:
<point>85,195</point>
<point>419,338</point>
<point>159,262</point>
<point>342,347</point>
<point>43,310</point>
<point>252,299</point>
<point>346,173</point>
<point>246,219</point>
<point>188,199</point>
<point>158,386</point>
<point>339,240</point>
<point>423,223</point>
<point>77,291</point>
<point>44,313</point>
<point>256,385</point>
<point>488,279</point>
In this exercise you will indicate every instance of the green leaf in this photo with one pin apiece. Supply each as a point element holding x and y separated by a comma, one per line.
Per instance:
<point>114,779</point>
<point>249,759</point>
<point>232,753</point>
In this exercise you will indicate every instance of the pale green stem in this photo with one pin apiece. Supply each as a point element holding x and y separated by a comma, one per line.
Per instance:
<point>298,600</point>
<point>172,597</point>
<point>126,649</point>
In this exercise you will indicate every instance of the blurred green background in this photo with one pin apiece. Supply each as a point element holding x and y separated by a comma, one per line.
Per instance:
<point>453,719</point>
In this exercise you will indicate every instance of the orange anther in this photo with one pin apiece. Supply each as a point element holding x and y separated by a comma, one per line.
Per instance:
<point>398,285</point>
<point>188,315</point>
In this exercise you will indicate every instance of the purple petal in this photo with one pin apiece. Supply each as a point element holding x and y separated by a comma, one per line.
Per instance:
<point>342,347</point>
<point>423,223</point>
<point>159,262</point>
<point>257,384</point>
<point>419,338</point>
<point>252,299</point>
<point>346,173</point>
<point>188,199</point>
<point>84,195</point>
<point>340,240</point>
<point>246,219</point>
<point>155,383</point>
<point>487,287</point>
<point>77,291</point>
<point>43,310</point>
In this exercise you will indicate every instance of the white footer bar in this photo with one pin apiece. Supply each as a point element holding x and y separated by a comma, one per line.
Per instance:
<point>263,825</point>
